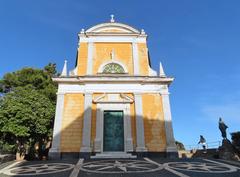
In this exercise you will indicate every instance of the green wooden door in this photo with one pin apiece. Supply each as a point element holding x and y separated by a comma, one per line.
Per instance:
<point>113,136</point>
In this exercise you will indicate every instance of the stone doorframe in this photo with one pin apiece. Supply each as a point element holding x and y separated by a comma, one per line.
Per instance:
<point>101,107</point>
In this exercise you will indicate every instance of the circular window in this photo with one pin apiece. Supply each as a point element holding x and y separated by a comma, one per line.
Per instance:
<point>113,68</point>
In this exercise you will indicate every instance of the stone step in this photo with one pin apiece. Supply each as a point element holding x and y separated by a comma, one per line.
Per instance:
<point>114,156</point>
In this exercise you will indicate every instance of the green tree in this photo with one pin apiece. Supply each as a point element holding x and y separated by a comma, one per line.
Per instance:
<point>179,145</point>
<point>39,79</point>
<point>25,116</point>
<point>27,105</point>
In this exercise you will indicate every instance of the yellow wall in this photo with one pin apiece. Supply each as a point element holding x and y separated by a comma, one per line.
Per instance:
<point>93,124</point>
<point>82,59</point>
<point>155,138</point>
<point>123,53</point>
<point>72,123</point>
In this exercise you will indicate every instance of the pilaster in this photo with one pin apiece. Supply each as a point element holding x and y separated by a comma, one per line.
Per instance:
<point>54,152</point>
<point>135,58</point>
<point>90,59</point>
<point>86,134</point>
<point>171,146</point>
<point>139,123</point>
<point>128,141</point>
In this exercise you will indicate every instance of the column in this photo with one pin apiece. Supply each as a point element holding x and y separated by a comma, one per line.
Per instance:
<point>171,146</point>
<point>139,123</point>
<point>54,152</point>
<point>86,134</point>
<point>135,58</point>
<point>90,58</point>
<point>127,119</point>
<point>98,139</point>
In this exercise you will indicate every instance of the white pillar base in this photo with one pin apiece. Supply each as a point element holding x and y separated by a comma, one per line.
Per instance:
<point>141,149</point>
<point>85,149</point>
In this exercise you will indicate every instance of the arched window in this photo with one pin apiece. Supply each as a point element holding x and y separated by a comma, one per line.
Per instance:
<point>113,68</point>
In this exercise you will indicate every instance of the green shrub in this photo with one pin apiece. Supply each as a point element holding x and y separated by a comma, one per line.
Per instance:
<point>6,148</point>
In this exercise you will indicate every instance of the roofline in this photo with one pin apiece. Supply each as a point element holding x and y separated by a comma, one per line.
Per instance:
<point>134,30</point>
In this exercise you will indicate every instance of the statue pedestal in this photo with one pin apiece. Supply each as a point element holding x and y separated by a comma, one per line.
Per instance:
<point>226,151</point>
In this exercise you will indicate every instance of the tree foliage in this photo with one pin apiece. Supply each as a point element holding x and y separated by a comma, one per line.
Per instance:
<point>38,79</point>
<point>26,113</point>
<point>179,145</point>
<point>27,104</point>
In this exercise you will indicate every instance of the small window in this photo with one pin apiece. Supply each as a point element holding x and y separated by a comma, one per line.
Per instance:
<point>113,68</point>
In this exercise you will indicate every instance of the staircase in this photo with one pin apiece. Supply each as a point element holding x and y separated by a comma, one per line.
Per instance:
<point>114,155</point>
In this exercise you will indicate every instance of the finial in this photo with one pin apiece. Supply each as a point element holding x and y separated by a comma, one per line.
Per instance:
<point>161,71</point>
<point>112,54</point>
<point>142,31</point>
<point>112,19</point>
<point>82,31</point>
<point>64,71</point>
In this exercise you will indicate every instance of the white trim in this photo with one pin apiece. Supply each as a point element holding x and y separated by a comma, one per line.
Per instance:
<point>135,58</point>
<point>171,146</point>
<point>101,68</point>
<point>96,100</point>
<point>151,71</point>
<point>113,98</point>
<point>117,39</point>
<point>73,72</point>
<point>108,30</point>
<point>111,88</point>
<point>128,146</point>
<point>139,123</point>
<point>118,78</point>
<point>103,26</point>
<point>58,123</point>
<point>90,59</point>
<point>87,118</point>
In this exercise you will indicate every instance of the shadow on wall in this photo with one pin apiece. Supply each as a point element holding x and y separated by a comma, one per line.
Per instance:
<point>68,139</point>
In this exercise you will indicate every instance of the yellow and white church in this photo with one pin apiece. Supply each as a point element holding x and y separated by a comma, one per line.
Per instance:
<point>112,104</point>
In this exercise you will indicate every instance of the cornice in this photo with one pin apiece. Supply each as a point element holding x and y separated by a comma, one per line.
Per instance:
<point>114,79</point>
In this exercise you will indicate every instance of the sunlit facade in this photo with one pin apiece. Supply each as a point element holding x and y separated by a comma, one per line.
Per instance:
<point>112,104</point>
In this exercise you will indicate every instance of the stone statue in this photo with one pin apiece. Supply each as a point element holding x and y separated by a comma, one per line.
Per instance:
<point>222,127</point>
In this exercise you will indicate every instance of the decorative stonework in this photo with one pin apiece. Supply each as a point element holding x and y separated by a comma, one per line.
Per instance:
<point>120,166</point>
<point>113,68</point>
<point>39,169</point>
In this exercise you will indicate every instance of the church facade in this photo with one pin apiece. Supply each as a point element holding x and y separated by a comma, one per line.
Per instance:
<point>112,104</point>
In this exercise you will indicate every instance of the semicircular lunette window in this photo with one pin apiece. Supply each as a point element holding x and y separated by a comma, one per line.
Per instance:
<point>113,68</point>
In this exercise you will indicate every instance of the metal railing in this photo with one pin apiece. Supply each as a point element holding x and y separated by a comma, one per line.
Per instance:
<point>209,145</point>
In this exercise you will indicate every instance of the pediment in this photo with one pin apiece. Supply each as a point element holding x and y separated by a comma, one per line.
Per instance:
<point>112,28</point>
<point>113,98</point>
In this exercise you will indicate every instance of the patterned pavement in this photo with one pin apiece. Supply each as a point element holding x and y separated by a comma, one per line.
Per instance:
<point>145,167</point>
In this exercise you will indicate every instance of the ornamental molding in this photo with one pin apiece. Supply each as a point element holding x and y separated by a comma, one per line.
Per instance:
<point>113,98</point>
<point>102,66</point>
<point>105,26</point>
<point>114,78</point>
<point>111,37</point>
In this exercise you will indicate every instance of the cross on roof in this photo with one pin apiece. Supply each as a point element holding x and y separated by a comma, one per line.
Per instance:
<point>112,19</point>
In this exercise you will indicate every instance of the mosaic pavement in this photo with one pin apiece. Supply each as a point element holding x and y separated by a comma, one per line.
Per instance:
<point>142,167</point>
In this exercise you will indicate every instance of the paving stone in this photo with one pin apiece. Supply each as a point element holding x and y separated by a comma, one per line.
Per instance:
<point>146,167</point>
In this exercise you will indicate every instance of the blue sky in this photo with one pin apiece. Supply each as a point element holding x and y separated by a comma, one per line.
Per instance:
<point>197,42</point>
